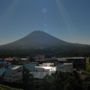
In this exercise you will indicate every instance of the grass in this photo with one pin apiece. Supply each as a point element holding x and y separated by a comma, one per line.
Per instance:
<point>3,87</point>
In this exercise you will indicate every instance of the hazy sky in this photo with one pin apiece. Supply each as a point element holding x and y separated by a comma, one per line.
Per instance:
<point>68,20</point>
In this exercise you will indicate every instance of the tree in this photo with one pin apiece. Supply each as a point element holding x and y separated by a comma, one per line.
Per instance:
<point>27,79</point>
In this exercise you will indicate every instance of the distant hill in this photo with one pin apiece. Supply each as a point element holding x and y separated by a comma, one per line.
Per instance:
<point>42,42</point>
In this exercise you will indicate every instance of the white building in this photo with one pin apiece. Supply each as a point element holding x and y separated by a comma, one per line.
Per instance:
<point>41,70</point>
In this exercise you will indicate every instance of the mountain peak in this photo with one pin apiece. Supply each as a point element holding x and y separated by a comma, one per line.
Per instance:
<point>37,39</point>
<point>38,32</point>
<point>43,42</point>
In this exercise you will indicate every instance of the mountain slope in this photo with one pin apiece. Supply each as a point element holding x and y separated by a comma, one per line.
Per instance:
<point>42,42</point>
<point>36,40</point>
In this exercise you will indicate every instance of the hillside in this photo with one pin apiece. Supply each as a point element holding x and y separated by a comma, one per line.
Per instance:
<point>42,42</point>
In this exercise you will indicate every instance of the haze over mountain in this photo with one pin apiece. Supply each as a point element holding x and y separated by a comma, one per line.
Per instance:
<point>39,40</point>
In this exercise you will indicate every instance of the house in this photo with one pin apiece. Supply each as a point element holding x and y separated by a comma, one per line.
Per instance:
<point>39,58</point>
<point>9,59</point>
<point>25,60</point>
<point>65,67</point>
<point>3,63</point>
<point>13,73</point>
<point>2,72</point>
<point>41,70</point>
<point>79,63</point>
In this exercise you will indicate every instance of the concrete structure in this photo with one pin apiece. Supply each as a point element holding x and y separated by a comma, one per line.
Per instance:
<point>65,67</point>
<point>41,70</point>
<point>79,63</point>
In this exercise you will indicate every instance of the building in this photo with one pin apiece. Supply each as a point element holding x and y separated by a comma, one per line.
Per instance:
<point>65,67</point>
<point>41,70</point>
<point>9,59</point>
<point>39,58</point>
<point>13,74</point>
<point>3,63</point>
<point>2,72</point>
<point>79,63</point>
<point>25,60</point>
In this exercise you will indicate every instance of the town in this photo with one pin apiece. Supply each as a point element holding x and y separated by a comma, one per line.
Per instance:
<point>11,68</point>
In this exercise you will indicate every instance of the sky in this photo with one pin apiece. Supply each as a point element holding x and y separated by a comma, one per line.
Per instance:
<point>68,20</point>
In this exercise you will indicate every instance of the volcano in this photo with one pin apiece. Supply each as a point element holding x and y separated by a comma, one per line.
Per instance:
<point>36,40</point>
<point>39,40</point>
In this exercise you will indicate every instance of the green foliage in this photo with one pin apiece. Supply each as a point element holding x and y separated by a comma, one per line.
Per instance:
<point>56,81</point>
<point>2,87</point>
<point>88,68</point>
